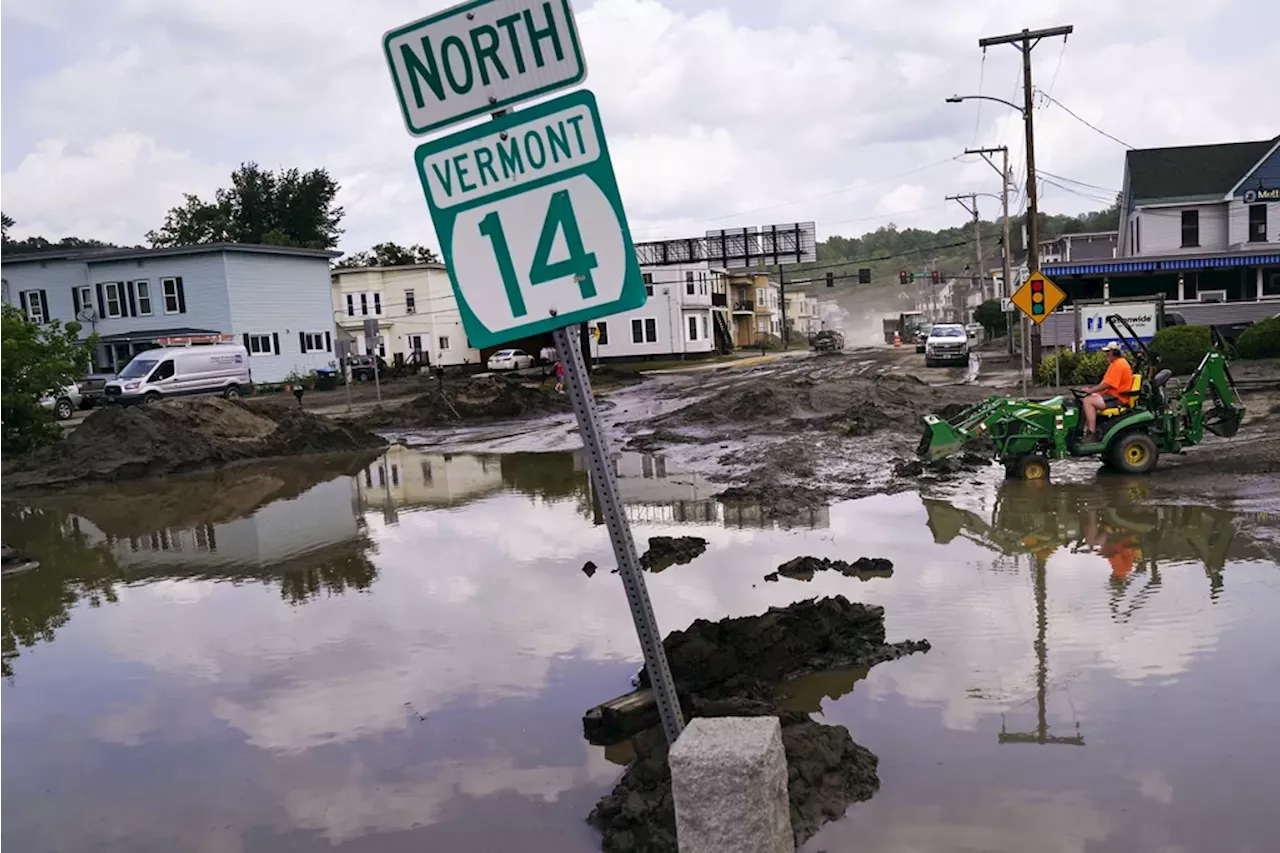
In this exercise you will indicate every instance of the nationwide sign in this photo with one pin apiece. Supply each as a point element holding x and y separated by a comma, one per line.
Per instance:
<point>482,57</point>
<point>1141,317</point>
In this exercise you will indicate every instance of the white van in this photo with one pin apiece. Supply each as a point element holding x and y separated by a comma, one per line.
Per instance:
<point>182,371</point>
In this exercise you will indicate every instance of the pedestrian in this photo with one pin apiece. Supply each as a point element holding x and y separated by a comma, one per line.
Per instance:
<point>559,377</point>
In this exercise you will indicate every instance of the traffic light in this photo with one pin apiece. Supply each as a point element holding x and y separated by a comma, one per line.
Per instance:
<point>864,275</point>
<point>1037,297</point>
<point>904,278</point>
<point>935,276</point>
<point>831,279</point>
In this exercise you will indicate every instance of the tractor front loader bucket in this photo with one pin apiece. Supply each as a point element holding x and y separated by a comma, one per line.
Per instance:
<point>940,439</point>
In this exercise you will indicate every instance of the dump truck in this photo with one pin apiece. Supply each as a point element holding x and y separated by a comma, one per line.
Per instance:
<point>909,327</point>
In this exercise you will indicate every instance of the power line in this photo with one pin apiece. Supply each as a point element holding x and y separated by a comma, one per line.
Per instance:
<point>1087,124</point>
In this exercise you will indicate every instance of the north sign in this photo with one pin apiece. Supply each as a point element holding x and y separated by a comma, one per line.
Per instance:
<point>1038,297</point>
<point>530,222</point>
<point>481,57</point>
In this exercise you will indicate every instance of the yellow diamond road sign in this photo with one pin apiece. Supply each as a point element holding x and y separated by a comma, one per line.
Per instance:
<point>1038,297</point>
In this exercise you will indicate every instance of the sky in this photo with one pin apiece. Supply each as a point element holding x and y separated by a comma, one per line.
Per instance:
<point>718,113</point>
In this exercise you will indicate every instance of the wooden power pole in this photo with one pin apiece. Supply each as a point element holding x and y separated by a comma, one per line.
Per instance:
<point>1026,41</point>
<point>972,207</point>
<point>1005,180</point>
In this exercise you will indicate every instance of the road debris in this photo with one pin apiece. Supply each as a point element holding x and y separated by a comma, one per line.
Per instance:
<point>804,568</point>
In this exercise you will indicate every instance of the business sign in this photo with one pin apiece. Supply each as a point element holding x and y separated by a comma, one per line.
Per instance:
<point>1142,316</point>
<point>530,222</point>
<point>1038,297</point>
<point>1261,194</point>
<point>481,57</point>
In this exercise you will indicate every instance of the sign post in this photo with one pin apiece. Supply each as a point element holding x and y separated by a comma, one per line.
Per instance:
<point>1037,298</point>
<point>529,219</point>
<point>371,338</point>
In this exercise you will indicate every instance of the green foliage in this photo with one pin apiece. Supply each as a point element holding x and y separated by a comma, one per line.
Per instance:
<point>285,208</point>
<point>388,255</point>
<point>990,315</point>
<point>306,380</point>
<point>41,244</point>
<point>1261,340</point>
<point>1084,368</point>
<point>1181,348</point>
<point>36,360</point>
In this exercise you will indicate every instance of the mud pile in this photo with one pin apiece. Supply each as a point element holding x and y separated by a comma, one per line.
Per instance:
<point>734,668</point>
<point>804,568</point>
<point>667,551</point>
<point>479,399</point>
<point>120,443</point>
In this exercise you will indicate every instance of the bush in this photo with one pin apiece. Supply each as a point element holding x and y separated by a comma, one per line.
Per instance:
<point>1049,367</point>
<point>1181,348</point>
<point>1084,368</point>
<point>1261,340</point>
<point>36,360</point>
<point>991,316</point>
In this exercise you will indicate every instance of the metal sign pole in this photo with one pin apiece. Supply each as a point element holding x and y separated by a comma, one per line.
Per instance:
<point>578,387</point>
<point>377,382</point>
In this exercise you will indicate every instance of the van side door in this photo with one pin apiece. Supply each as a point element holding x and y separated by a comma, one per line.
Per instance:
<point>162,378</point>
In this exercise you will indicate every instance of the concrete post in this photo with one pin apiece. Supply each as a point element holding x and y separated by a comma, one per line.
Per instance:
<point>729,786</point>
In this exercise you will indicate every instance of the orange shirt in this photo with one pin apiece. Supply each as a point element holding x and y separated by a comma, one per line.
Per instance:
<point>1118,379</point>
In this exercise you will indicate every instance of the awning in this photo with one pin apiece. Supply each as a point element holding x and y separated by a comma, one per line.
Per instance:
<point>1161,265</point>
<point>153,334</point>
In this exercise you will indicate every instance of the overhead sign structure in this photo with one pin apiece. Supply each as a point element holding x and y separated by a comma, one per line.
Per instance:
<point>735,248</point>
<point>1038,298</point>
<point>481,57</point>
<point>530,222</point>
<point>1143,317</point>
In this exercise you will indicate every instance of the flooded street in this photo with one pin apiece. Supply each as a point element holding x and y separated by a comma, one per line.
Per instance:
<point>394,653</point>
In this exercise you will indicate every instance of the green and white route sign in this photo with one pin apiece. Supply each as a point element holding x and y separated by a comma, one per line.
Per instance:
<point>530,223</point>
<point>480,57</point>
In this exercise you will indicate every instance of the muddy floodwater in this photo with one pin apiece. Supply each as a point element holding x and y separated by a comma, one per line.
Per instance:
<point>395,653</point>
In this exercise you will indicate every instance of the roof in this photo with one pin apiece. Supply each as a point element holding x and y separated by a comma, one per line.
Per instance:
<point>427,266</point>
<point>95,255</point>
<point>153,334</point>
<point>1191,171</point>
<point>1162,264</point>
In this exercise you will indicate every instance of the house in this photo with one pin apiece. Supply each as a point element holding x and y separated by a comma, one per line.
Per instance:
<point>417,313</point>
<point>1199,228</point>
<point>803,318</point>
<point>1082,246</point>
<point>754,306</point>
<point>275,298</point>
<point>683,315</point>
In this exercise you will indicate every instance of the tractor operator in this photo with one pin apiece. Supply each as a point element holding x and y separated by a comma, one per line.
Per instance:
<point>1113,390</point>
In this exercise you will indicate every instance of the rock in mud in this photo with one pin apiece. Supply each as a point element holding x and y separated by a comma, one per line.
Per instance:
<point>667,551</point>
<point>122,443</point>
<point>482,398</point>
<point>804,568</point>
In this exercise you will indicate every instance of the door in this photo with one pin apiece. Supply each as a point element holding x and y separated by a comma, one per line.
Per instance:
<point>162,379</point>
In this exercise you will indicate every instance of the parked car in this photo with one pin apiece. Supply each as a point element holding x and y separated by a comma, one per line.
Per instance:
<point>362,367</point>
<point>510,359</point>
<point>827,340</point>
<point>64,401</point>
<point>922,336</point>
<point>182,371</point>
<point>947,343</point>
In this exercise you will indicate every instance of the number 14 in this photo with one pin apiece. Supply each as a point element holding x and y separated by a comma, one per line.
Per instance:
<point>579,264</point>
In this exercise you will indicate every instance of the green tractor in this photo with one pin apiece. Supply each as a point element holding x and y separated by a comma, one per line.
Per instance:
<point>1163,418</point>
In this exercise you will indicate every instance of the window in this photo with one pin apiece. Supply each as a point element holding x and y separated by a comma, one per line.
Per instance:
<point>1190,229</point>
<point>113,304</point>
<point>1271,285</point>
<point>603,329</point>
<point>143,289</point>
<point>1137,235</point>
<point>163,371</point>
<point>444,342</point>
<point>648,283</point>
<point>83,298</point>
<point>364,305</point>
<point>644,331</point>
<point>693,327</point>
<point>760,299</point>
<point>311,341</point>
<point>410,303</point>
<point>259,344</point>
<point>175,302</point>
<point>351,305</point>
<point>415,343</point>
<point>1257,223</point>
<point>688,282</point>
<point>377,304</point>
<point>36,304</point>
<point>395,475</point>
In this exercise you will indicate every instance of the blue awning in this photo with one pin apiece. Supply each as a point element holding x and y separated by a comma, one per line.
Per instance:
<point>1162,265</point>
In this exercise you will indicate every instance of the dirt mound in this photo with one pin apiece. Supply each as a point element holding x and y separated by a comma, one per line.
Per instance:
<point>667,551</point>
<point>804,568</point>
<point>479,399</point>
<point>123,443</point>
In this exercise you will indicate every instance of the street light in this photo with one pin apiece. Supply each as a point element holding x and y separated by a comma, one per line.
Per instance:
<point>956,99</point>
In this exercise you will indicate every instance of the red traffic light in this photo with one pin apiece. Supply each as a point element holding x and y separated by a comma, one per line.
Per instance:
<point>935,276</point>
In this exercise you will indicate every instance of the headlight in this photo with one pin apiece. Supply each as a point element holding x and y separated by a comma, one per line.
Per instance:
<point>131,386</point>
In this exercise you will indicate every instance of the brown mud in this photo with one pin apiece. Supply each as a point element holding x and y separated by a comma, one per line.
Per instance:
<point>667,551</point>
<point>171,436</point>
<point>804,568</point>
<point>483,398</point>
<point>738,667</point>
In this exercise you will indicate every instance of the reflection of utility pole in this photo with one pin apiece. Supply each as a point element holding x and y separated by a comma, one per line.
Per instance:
<point>1041,734</point>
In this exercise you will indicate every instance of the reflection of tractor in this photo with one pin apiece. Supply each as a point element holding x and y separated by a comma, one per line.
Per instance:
<point>1027,434</point>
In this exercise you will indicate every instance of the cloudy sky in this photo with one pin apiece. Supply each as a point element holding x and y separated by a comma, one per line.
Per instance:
<point>718,113</point>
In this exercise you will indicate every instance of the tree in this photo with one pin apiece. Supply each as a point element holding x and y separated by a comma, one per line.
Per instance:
<point>991,315</point>
<point>284,208</point>
<point>388,255</point>
<point>36,360</point>
<point>41,244</point>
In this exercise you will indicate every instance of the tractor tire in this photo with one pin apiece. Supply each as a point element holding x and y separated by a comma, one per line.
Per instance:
<point>1033,466</point>
<point>1133,453</point>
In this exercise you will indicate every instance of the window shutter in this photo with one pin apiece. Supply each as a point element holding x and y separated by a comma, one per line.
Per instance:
<point>275,342</point>
<point>102,302</point>
<point>182,296</point>
<point>328,342</point>
<point>133,298</point>
<point>75,301</point>
<point>22,297</point>
<point>302,341</point>
<point>44,306</point>
<point>246,344</point>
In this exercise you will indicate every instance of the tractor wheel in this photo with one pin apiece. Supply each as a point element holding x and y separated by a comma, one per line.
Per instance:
<point>1033,466</point>
<point>1133,453</point>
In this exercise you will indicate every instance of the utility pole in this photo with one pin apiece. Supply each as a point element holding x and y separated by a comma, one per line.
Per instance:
<point>1005,180</point>
<point>1026,41</point>
<point>972,208</point>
